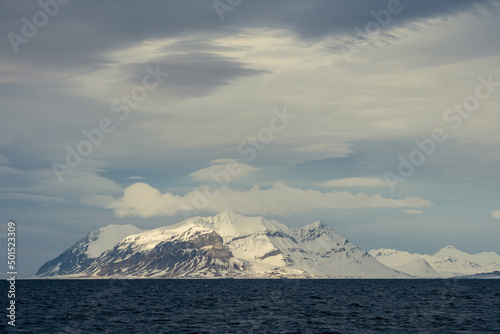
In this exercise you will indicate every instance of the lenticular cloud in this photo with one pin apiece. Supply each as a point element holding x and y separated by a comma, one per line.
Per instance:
<point>140,199</point>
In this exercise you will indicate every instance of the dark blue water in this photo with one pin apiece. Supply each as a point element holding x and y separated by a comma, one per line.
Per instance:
<point>256,306</point>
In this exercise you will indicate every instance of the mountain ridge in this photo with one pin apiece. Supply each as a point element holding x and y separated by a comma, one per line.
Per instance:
<point>447,261</point>
<point>227,245</point>
<point>236,246</point>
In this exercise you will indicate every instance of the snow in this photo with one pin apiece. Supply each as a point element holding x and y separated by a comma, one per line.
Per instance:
<point>313,226</point>
<point>231,225</point>
<point>269,249</point>
<point>315,249</point>
<point>446,262</point>
<point>393,258</point>
<point>148,240</point>
<point>418,267</point>
<point>266,247</point>
<point>107,237</point>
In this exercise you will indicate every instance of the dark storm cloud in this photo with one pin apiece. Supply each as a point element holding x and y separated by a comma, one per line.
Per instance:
<point>315,19</point>
<point>82,31</point>
<point>196,74</point>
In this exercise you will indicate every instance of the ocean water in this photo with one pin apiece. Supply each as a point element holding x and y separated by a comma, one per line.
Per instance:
<point>255,306</point>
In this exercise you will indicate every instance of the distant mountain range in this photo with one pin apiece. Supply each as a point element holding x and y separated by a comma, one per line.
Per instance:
<point>230,245</point>
<point>447,262</point>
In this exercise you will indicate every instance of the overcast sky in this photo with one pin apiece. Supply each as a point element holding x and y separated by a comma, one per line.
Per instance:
<point>381,118</point>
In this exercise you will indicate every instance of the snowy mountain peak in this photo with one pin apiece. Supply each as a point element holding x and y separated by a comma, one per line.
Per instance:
<point>106,237</point>
<point>87,250</point>
<point>450,251</point>
<point>231,225</point>
<point>225,245</point>
<point>446,249</point>
<point>315,225</point>
<point>115,227</point>
<point>228,215</point>
<point>446,262</point>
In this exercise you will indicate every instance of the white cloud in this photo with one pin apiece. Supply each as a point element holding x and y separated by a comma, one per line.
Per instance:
<point>495,214</point>
<point>356,182</point>
<point>135,178</point>
<point>140,199</point>
<point>412,212</point>
<point>221,161</point>
<point>230,168</point>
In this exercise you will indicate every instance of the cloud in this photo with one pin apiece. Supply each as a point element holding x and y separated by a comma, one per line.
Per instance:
<point>495,214</point>
<point>10,171</point>
<point>96,200</point>
<point>217,74</point>
<point>42,185</point>
<point>196,74</point>
<point>221,161</point>
<point>3,159</point>
<point>412,212</point>
<point>135,178</point>
<point>140,199</point>
<point>353,119</point>
<point>32,198</point>
<point>356,182</point>
<point>62,43</point>
<point>230,168</point>
<point>192,73</point>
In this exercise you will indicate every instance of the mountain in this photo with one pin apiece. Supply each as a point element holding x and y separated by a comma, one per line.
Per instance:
<point>418,267</point>
<point>451,260</point>
<point>490,275</point>
<point>446,262</point>
<point>226,245</point>
<point>85,251</point>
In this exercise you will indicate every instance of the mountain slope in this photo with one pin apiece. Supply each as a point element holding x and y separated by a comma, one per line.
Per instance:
<point>447,262</point>
<point>195,252</point>
<point>229,245</point>
<point>418,267</point>
<point>489,275</point>
<point>85,251</point>
<point>451,260</point>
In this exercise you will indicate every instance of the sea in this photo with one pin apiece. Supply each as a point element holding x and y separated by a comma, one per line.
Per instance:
<point>255,306</point>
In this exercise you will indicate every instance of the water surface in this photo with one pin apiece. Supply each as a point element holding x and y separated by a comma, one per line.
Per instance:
<point>256,306</point>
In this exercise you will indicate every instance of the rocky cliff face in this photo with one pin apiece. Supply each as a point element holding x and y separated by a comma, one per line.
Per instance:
<point>67,263</point>
<point>203,254</point>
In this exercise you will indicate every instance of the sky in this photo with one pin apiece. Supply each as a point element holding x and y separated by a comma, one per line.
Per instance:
<point>380,118</point>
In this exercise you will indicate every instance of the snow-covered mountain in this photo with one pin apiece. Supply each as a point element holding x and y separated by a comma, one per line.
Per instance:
<point>226,245</point>
<point>85,251</point>
<point>491,275</point>
<point>418,267</point>
<point>447,262</point>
